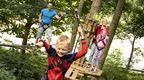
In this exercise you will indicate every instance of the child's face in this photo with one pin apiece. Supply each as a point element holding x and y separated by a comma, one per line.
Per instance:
<point>62,49</point>
<point>104,22</point>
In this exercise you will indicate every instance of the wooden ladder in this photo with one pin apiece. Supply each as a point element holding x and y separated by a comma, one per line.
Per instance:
<point>75,70</point>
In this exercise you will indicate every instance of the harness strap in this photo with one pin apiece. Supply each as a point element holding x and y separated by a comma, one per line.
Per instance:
<point>51,66</point>
<point>98,47</point>
<point>43,24</point>
<point>63,69</point>
<point>59,64</point>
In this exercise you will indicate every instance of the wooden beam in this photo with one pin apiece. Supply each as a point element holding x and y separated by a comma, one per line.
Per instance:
<point>23,47</point>
<point>17,46</point>
<point>69,72</point>
<point>74,75</point>
<point>86,71</point>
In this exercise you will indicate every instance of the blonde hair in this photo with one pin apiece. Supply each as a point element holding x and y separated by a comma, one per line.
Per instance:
<point>63,39</point>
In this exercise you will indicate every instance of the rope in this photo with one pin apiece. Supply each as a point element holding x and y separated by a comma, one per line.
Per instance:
<point>78,20</point>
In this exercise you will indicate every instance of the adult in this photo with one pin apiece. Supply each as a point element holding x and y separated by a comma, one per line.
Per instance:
<point>45,19</point>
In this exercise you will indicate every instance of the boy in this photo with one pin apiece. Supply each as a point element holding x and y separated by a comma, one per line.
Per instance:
<point>59,60</point>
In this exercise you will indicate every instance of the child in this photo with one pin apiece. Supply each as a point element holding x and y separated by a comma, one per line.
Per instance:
<point>99,42</point>
<point>59,60</point>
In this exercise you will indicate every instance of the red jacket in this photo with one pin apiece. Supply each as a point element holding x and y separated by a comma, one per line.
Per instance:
<point>98,31</point>
<point>61,64</point>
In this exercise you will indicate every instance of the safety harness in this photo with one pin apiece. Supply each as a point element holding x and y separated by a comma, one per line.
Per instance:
<point>102,39</point>
<point>59,64</point>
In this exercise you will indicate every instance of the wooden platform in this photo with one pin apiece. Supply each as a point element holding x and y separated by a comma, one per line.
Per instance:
<point>74,71</point>
<point>86,71</point>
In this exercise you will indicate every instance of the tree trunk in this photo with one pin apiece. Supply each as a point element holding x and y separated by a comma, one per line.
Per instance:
<point>95,7</point>
<point>74,28</point>
<point>131,55</point>
<point>25,35</point>
<point>113,27</point>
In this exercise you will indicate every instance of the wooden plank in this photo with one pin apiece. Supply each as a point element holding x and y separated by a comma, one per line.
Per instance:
<point>69,72</point>
<point>86,71</point>
<point>78,68</point>
<point>74,75</point>
<point>82,61</point>
<point>96,73</point>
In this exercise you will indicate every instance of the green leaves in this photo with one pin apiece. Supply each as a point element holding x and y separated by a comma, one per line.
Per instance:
<point>113,66</point>
<point>21,67</point>
<point>6,75</point>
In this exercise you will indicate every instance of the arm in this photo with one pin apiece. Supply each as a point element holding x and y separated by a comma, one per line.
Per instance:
<point>40,19</point>
<point>98,38</point>
<point>43,44</point>
<point>59,16</point>
<point>84,48</point>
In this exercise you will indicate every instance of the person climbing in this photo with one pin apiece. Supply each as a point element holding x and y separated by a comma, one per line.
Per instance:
<point>98,44</point>
<point>59,59</point>
<point>45,19</point>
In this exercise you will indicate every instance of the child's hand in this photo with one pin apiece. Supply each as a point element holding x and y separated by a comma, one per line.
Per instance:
<point>80,30</point>
<point>40,44</point>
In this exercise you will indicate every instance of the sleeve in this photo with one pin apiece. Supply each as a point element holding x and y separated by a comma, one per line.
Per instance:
<point>82,51</point>
<point>42,11</point>
<point>54,13</point>
<point>47,46</point>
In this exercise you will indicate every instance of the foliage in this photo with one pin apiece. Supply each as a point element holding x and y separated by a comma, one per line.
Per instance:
<point>112,70</point>
<point>132,19</point>
<point>6,75</point>
<point>136,76</point>
<point>17,15</point>
<point>108,7</point>
<point>23,67</point>
<point>138,54</point>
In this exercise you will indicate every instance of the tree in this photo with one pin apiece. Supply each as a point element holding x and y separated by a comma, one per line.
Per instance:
<point>77,22</point>
<point>113,27</point>
<point>129,28</point>
<point>135,26</point>
<point>95,7</point>
<point>18,16</point>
